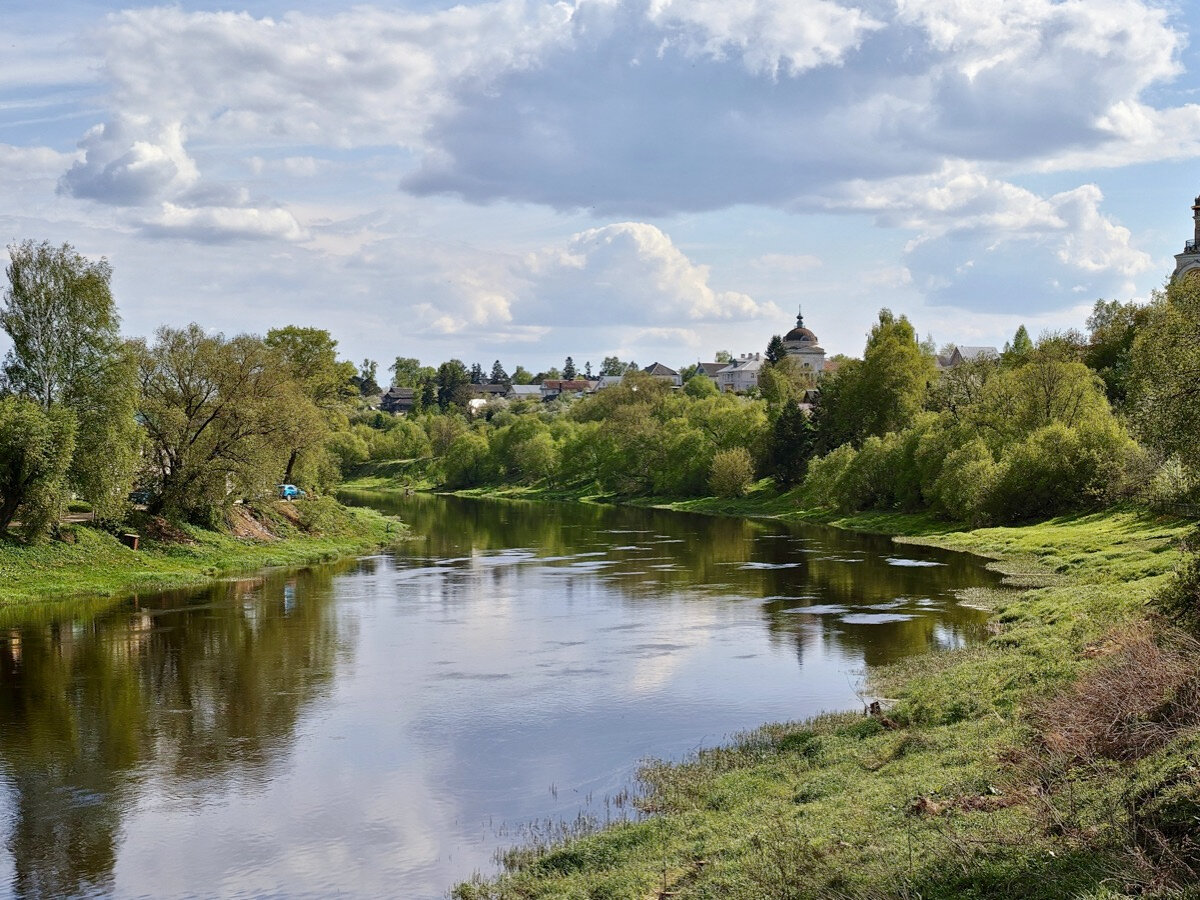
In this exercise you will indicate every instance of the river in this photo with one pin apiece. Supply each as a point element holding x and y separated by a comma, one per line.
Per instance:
<point>383,726</point>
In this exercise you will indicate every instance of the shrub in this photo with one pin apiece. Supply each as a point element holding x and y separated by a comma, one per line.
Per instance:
<point>731,473</point>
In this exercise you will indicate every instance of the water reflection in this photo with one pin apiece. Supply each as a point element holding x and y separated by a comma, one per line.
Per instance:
<point>380,727</point>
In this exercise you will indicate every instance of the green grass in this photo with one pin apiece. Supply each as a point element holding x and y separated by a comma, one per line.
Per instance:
<point>953,798</point>
<point>96,564</point>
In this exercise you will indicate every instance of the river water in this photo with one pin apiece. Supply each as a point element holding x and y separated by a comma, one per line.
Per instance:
<point>381,727</point>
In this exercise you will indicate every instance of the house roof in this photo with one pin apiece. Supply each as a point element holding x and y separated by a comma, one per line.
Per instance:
<point>745,364</point>
<point>400,393</point>
<point>977,352</point>
<point>499,389</point>
<point>658,369</point>
<point>711,369</point>
<point>562,384</point>
<point>525,390</point>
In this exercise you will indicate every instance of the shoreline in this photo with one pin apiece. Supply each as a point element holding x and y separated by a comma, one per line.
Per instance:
<point>92,565</point>
<point>953,790</point>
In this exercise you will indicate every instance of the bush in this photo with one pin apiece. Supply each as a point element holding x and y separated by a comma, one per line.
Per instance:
<point>732,472</point>
<point>825,473</point>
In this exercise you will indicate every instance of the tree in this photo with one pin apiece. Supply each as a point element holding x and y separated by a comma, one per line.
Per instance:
<point>60,315</point>
<point>731,473</point>
<point>310,358</point>
<point>723,356</point>
<point>408,372</point>
<point>587,370</point>
<point>1165,386</point>
<point>366,375</point>
<point>1112,329</point>
<point>569,372</point>
<point>36,446</point>
<point>59,312</point>
<point>521,375</point>
<point>613,366</point>
<point>499,376</point>
<point>453,384</point>
<point>793,442</point>
<point>882,393</point>
<point>219,415</point>
<point>476,373</point>
<point>776,352</point>
<point>1018,349</point>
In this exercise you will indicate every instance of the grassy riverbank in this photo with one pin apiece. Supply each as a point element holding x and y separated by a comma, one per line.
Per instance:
<point>1055,760</point>
<point>983,777</point>
<point>88,562</point>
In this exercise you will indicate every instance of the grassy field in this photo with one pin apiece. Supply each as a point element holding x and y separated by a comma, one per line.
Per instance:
<point>1055,760</point>
<point>88,562</point>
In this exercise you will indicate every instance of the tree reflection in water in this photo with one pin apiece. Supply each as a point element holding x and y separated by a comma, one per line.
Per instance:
<point>186,688</point>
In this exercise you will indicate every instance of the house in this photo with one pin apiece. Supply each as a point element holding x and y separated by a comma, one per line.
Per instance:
<point>1187,263</point>
<point>961,355</point>
<point>741,375</point>
<point>524,392</point>
<point>398,400</point>
<point>487,391</point>
<point>607,381</point>
<point>662,373</point>
<point>556,387</point>
<point>710,370</point>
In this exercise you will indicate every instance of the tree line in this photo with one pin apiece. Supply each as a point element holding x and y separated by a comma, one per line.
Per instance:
<point>193,421</point>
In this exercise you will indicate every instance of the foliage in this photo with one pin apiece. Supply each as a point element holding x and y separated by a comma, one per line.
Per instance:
<point>35,453</point>
<point>731,472</point>
<point>60,315</point>
<point>569,371</point>
<point>1165,389</point>
<point>219,415</point>
<point>453,385</point>
<point>1112,329</point>
<point>776,352</point>
<point>793,440</point>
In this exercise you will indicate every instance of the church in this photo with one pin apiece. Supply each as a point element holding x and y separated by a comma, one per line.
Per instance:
<point>802,344</point>
<point>1187,263</point>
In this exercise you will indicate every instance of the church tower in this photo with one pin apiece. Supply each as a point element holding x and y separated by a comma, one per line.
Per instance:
<point>802,344</point>
<point>1187,263</point>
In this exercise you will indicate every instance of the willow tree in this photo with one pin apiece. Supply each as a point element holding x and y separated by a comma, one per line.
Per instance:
<point>219,416</point>
<point>35,453</point>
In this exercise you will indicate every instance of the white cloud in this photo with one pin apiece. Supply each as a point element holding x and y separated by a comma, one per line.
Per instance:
<point>224,223</point>
<point>631,273</point>
<point>768,35</point>
<point>787,262</point>
<point>131,161</point>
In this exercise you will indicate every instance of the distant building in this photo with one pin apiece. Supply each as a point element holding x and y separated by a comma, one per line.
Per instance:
<point>607,381</point>
<point>524,392</point>
<point>961,355</point>
<point>661,372</point>
<point>801,344</point>
<point>556,387</point>
<point>398,400</point>
<point>1187,263</point>
<point>741,375</point>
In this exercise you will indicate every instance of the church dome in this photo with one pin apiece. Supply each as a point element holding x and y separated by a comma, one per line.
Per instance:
<point>800,335</point>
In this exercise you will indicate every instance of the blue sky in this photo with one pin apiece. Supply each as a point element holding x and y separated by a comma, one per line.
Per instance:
<point>655,179</point>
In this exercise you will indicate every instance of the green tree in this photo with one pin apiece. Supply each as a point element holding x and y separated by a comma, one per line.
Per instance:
<point>453,384</point>
<point>613,366</point>
<point>882,393</point>
<point>521,375</point>
<point>776,352</point>
<point>66,349</point>
<point>219,415</point>
<point>793,442</point>
<point>1017,350</point>
<point>476,373</point>
<point>36,446</point>
<point>1112,329</point>
<point>310,357</point>
<point>587,370</point>
<point>569,371</point>
<point>1165,387</point>
<point>408,372</point>
<point>732,472</point>
<point>700,386</point>
<point>367,373</point>
<point>723,356</point>
<point>499,376</point>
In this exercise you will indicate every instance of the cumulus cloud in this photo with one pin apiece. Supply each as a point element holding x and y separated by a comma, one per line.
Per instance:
<point>131,161</point>
<point>643,107</point>
<point>629,272</point>
<point>981,241</point>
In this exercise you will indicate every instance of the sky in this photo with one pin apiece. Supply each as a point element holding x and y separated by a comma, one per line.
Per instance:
<point>653,179</point>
